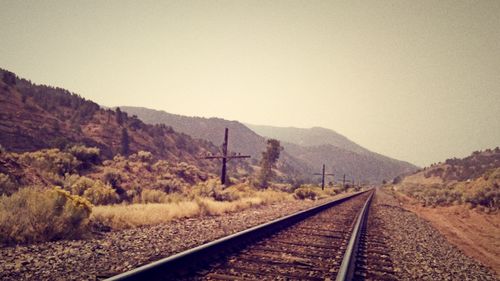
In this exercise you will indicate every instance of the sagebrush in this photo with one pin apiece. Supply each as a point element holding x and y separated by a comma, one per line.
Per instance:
<point>35,215</point>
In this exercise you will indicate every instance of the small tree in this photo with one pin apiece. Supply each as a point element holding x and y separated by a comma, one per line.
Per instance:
<point>397,180</point>
<point>268,161</point>
<point>87,155</point>
<point>119,116</point>
<point>125,142</point>
<point>9,78</point>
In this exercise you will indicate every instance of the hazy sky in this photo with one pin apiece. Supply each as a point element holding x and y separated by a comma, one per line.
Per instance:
<point>414,80</point>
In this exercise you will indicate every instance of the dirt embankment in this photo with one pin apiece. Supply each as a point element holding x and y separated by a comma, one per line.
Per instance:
<point>475,233</point>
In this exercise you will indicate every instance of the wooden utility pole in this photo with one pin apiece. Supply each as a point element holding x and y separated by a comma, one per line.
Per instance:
<point>225,158</point>
<point>323,177</point>
<point>344,181</point>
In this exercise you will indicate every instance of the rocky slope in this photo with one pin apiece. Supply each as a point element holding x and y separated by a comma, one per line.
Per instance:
<point>34,117</point>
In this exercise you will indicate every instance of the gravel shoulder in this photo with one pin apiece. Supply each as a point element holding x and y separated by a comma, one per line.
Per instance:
<point>418,250</point>
<point>476,234</point>
<point>118,251</point>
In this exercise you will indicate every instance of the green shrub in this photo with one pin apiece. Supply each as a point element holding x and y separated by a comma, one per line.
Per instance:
<point>151,196</point>
<point>51,160</point>
<point>229,194</point>
<point>145,156</point>
<point>306,193</point>
<point>112,177</point>
<point>188,173</point>
<point>206,188</point>
<point>79,185</point>
<point>35,215</point>
<point>488,197</point>
<point>53,178</point>
<point>87,155</point>
<point>169,185</point>
<point>101,194</point>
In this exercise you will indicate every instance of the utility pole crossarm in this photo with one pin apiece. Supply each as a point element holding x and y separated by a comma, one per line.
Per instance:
<point>225,157</point>
<point>228,157</point>
<point>238,156</point>
<point>323,174</point>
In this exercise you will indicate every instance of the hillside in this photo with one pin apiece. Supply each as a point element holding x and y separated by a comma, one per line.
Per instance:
<point>241,139</point>
<point>455,170</point>
<point>34,117</point>
<point>473,180</point>
<point>305,149</point>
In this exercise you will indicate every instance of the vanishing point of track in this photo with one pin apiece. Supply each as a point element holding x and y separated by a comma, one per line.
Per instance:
<point>326,242</point>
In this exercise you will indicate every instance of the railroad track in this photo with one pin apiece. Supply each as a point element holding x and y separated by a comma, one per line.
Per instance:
<point>320,243</point>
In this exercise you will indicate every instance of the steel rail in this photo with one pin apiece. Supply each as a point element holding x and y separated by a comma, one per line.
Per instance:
<point>182,264</point>
<point>348,265</point>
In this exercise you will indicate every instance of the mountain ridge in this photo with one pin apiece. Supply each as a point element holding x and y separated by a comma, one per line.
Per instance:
<point>350,158</point>
<point>313,136</point>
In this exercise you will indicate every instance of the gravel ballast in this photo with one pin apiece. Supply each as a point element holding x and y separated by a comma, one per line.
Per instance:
<point>420,252</point>
<point>119,251</point>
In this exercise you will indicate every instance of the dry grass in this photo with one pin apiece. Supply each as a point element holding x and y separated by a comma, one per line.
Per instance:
<point>133,215</point>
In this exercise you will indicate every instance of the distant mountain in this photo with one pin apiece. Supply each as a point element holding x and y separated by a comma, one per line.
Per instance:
<point>305,149</point>
<point>315,136</point>
<point>356,166</point>
<point>320,145</point>
<point>34,117</point>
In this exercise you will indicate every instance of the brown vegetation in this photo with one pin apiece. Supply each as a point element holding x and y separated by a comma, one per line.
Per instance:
<point>125,191</point>
<point>483,193</point>
<point>155,206</point>
<point>32,215</point>
<point>454,183</point>
<point>468,168</point>
<point>61,153</point>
